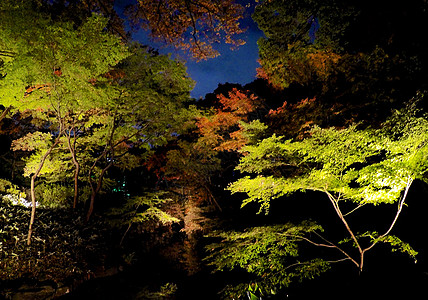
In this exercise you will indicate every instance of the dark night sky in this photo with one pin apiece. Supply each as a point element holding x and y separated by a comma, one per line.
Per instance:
<point>238,66</point>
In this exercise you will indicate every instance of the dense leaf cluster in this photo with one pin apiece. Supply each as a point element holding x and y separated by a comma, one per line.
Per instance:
<point>270,253</point>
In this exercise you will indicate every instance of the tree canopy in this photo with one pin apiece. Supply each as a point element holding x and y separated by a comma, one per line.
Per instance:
<point>194,26</point>
<point>362,166</point>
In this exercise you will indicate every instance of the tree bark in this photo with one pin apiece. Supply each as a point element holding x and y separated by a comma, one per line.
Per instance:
<point>95,190</point>
<point>33,193</point>
<point>72,149</point>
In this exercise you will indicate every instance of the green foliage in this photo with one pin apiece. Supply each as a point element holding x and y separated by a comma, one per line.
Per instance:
<point>78,78</point>
<point>270,253</point>
<point>146,105</point>
<point>363,166</point>
<point>140,209</point>
<point>32,141</point>
<point>285,52</point>
<point>7,187</point>
<point>396,243</point>
<point>166,291</point>
<point>52,62</point>
<point>253,291</point>
<point>354,164</point>
<point>54,195</point>
<point>253,131</point>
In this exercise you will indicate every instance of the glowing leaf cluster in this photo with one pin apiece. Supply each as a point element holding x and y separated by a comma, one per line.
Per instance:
<point>224,130</point>
<point>363,166</point>
<point>269,252</point>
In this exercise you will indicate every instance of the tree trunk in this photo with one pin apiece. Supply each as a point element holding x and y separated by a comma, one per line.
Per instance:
<point>76,185</point>
<point>33,193</point>
<point>72,149</point>
<point>33,208</point>
<point>95,190</point>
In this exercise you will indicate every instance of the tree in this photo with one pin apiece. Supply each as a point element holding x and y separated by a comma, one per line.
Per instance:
<point>140,209</point>
<point>196,159</point>
<point>354,167</point>
<point>325,50</point>
<point>207,21</point>
<point>223,131</point>
<point>52,72</point>
<point>303,39</point>
<point>148,109</point>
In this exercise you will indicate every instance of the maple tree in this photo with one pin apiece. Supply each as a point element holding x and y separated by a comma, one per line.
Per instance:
<point>223,130</point>
<point>52,74</point>
<point>351,165</point>
<point>196,158</point>
<point>90,120</point>
<point>191,25</point>
<point>191,166</point>
<point>80,104</point>
<point>149,109</point>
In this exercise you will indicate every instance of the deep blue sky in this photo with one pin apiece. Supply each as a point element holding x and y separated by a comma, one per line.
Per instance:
<point>238,66</point>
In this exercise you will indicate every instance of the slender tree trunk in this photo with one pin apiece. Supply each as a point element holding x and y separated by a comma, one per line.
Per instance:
<point>110,148</point>
<point>33,193</point>
<point>95,189</point>
<point>76,185</point>
<point>72,149</point>
<point>33,209</point>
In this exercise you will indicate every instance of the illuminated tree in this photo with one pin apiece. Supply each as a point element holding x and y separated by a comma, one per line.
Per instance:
<point>352,167</point>
<point>207,21</point>
<point>52,72</point>
<point>196,158</point>
<point>148,109</point>
<point>223,131</point>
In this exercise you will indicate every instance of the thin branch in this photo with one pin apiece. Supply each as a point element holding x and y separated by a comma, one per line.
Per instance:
<point>126,232</point>
<point>195,29</point>
<point>400,208</point>
<point>342,218</point>
<point>328,245</point>
<point>307,263</point>
<point>353,210</point>
<point>338,248</point>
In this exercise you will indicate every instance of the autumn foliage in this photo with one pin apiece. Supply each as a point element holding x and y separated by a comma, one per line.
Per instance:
<point>223,130</point>
<point>191,25</point>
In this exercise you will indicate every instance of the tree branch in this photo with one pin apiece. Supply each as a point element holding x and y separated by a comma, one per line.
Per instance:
<point>307,263</point>
<point>400,208</point>
<point>353,210</point>
<point>342,218</point>
<point>5,112</point>
<point>328,245</point>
